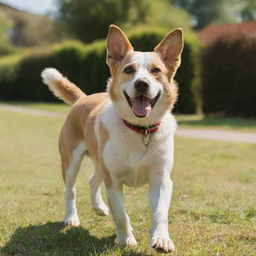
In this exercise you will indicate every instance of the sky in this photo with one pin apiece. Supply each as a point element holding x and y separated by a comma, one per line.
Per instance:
<point>34,6</point>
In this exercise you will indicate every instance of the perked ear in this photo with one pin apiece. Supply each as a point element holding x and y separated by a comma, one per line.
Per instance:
<point>117,45</point>
<point>171,47</point>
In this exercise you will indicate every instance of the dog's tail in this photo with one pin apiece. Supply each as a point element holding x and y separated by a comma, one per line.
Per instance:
<point>61,86</point>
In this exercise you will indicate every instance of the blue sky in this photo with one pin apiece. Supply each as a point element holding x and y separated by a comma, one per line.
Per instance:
<point>34,6</point>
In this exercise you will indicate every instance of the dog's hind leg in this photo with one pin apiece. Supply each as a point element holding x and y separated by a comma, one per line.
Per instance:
<point>95,185</point>
<point>71,157</point>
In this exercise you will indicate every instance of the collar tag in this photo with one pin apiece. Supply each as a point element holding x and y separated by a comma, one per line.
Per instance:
<point>146,137</point>
<point>146,131</point>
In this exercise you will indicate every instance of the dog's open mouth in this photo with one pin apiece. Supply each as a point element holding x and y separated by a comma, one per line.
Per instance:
<point>141,105</point>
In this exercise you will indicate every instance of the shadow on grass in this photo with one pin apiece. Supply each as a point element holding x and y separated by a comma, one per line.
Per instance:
<point>55,239</point>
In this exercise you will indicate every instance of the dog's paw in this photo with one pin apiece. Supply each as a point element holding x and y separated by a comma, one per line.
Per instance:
<point>129,241</point>
<point>71,221</point>
<point>102,210</point>
<point>162,244</point>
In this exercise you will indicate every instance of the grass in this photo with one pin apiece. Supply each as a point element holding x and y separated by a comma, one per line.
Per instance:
<point>192,121</point>
<point>55,107</point>
<point>233,123</point>
<point>212,213</point>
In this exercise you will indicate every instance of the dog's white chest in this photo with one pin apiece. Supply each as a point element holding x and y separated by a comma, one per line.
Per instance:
<point>125,154</point>
<point>127,159</point>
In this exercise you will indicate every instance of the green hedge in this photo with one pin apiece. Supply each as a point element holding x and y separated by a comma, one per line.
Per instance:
<point>85,65</point>
<point>229,78</point>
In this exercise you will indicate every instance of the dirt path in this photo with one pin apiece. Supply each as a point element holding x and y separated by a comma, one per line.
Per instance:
<point>30,111</point>
<point>217,134</point>
<point>197,133</point>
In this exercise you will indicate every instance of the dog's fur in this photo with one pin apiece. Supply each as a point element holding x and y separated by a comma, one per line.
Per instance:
<point>95,126</point>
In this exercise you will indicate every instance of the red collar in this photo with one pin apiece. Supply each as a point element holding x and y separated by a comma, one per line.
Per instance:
<point>142,129</point>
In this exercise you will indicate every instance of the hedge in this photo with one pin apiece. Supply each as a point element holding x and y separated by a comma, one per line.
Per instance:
<point>85,65</point>
<point>229,78</point>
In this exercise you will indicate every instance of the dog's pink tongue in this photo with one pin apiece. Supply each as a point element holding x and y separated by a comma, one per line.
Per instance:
<point>141,106</point>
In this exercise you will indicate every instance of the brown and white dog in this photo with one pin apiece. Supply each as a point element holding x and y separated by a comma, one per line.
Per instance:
<point>127,132</point>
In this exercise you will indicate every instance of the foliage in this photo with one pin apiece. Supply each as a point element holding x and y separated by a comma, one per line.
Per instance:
<point>35,31</point>
<point>213,11</point>
<point>5,25</point>
<point>249,10</point>
<point>163,14</point>
<point>89,20</point>
<point>82,16</point>
<point>229,78</point>
<point>20,79</point>
<point>28,29</point>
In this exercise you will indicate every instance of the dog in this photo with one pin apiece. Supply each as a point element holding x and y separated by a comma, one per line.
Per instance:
<point>128,132</point>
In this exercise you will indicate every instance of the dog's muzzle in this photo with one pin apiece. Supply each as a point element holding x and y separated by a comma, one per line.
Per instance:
<point>141,86</point>
<point>141,105</point>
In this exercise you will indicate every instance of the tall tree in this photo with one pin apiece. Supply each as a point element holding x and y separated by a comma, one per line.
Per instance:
<point>164,14</point>
<point>205,12</point>
<point>89,19</point>
<point>248,11</point>
<point>5,25</point>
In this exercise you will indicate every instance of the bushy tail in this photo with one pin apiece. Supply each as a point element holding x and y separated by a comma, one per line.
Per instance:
<point>61,86</point>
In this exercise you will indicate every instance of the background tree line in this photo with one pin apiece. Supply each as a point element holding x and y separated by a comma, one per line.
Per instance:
<point>88,20</point>
<point>205,80</point>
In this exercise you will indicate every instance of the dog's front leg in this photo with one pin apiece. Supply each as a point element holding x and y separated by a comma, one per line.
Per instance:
<point>124,234</point>
<point>160,192</point>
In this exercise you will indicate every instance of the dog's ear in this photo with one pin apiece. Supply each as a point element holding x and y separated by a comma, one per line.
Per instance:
<point>171,47</point>
<point>117,45</point>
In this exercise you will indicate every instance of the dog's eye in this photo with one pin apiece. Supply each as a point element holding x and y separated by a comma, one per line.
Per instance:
<point>155,70</point>
<point>129,70</point>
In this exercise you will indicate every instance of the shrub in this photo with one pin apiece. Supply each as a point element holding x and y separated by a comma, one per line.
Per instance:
<point>85,65</point>
<point>229,78</point>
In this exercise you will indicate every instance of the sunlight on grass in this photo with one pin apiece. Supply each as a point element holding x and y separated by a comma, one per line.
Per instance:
<point>235,123</point>
<point>193,121</point>
<point>55,107</point>
<point>213,209</point>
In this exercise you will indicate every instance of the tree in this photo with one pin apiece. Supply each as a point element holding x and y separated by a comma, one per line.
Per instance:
<point>248,11</point>
<point>89,20</point>
<point>24,29</point>
<point>5,25</point>
<point>218,11</point>
<point>164,14</point>
<point>205,12</point>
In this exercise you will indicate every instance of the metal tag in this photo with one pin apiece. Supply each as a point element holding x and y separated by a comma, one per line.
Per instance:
<point>146,137</point>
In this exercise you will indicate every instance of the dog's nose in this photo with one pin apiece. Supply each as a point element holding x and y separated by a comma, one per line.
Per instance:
<point>141,85</point>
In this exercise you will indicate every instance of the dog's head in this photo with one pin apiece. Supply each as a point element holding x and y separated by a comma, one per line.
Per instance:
<point>141,85</point>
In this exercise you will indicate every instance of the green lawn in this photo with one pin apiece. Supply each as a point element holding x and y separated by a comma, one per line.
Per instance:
<point>193,121</point>
<point>213,209</point>
<point>61,108</point>
<point>233,123</point>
